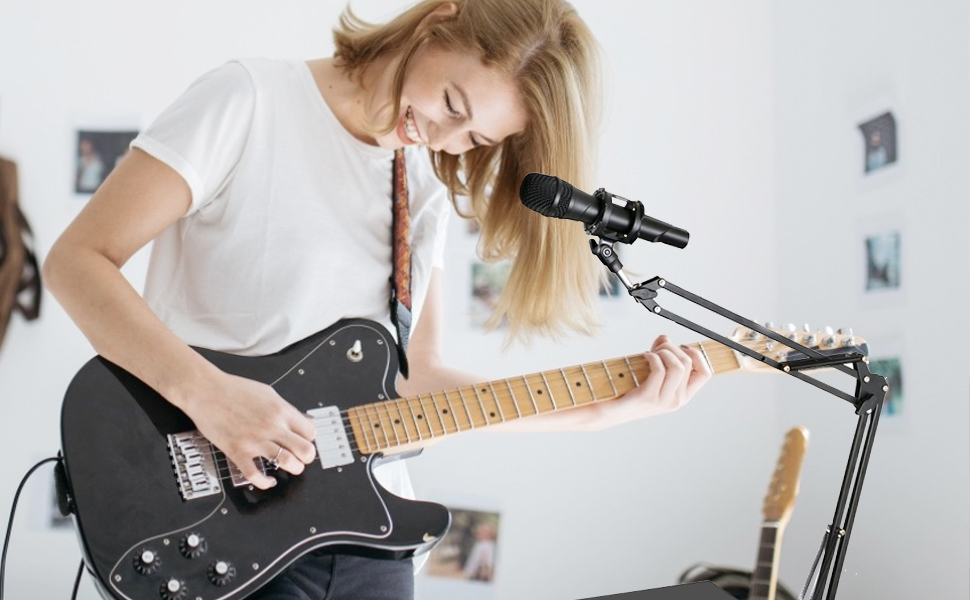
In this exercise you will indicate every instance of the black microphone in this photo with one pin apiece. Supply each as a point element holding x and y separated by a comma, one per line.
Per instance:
<point>605,214</point>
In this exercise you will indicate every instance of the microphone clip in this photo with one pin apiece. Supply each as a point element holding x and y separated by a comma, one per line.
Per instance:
<point>598,227</point>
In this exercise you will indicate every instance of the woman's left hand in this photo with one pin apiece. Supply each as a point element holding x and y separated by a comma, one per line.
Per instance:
<point>676,373</point>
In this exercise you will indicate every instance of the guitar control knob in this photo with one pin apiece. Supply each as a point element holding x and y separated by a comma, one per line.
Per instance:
<point>221,572</point>
<point>173,589</point>
<point>193,545</point>
<point>147,562</point>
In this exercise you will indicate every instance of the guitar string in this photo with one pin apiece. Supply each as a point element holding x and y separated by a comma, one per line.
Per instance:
<point>598,372</point>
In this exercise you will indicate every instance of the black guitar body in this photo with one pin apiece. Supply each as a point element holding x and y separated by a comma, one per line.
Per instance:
<point>144,539</point>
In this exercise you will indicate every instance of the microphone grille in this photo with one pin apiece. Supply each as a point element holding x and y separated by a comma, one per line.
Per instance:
<point>545,194</point>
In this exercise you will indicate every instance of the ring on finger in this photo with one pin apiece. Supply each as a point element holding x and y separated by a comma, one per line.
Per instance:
<point>275,462</point>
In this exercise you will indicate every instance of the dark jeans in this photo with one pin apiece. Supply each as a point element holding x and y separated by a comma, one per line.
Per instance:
<point>318,576</point>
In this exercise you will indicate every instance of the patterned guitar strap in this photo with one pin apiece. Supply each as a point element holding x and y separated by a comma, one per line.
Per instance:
<point>401,278</point>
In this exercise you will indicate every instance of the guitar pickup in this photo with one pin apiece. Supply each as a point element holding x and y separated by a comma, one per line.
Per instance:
<point>333,447</point>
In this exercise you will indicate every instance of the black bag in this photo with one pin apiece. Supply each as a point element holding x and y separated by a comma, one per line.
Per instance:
<point>20,288</point>
<point>733,581</point>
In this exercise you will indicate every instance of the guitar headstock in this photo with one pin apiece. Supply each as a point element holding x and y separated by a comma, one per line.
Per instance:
<point>780,500</point>
<point>825,341</point>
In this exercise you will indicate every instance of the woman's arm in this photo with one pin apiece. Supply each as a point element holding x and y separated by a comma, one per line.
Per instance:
<point>139,200</point>
<point>676,373</point>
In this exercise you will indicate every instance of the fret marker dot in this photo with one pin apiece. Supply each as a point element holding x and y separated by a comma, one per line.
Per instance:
<point>445,411</point>
<point>578,384</point>
<point>420,416</point>
<point>538,391</point>
<point>621,375</point>
<point>491,414</point>
<point>397,421</point>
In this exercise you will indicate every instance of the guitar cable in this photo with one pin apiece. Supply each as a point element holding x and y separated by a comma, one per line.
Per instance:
<point>77,580</point>
<point>13,510</point>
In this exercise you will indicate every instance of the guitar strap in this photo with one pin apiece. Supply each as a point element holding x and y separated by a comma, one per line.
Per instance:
<point>401,277</point>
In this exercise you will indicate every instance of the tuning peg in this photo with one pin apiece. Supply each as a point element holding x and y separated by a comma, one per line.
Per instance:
<point>752,335</point>
<point>828,330</point>
<point>848,339</point>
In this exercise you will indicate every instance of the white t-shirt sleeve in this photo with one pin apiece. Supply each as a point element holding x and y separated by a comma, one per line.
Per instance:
<point>203,133</point>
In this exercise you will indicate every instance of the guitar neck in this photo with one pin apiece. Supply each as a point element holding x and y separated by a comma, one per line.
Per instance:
<point>383,426</point>
<point>764,579</point>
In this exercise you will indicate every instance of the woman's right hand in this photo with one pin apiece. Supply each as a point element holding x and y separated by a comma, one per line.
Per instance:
<point>247,419</point>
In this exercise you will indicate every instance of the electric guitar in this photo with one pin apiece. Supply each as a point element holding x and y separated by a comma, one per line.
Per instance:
<point>777,509</point>
<point>161,513</point>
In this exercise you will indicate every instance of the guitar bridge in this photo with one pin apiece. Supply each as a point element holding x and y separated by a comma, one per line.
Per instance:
<point>195,467</point>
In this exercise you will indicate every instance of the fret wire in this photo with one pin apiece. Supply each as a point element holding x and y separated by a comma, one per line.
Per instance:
<point>515,404</point>
<point>610,377</point>
<point>568,387</point>
<point>404,421</point>
<point>444,430</point>
<point>705,355</point>
<point>387,409</point>
<point>592,391</point>
<point>454,415</point>
<point>528,388</point>
<point>423,415</point>
<point>481,404</point>
<point>365,428</point>
<point>464,403</point>
<point>354,414</point>
<point>379,427</point>
<point>632,372</point>
<point>414,417</point>
<point>389,423</point>
<point>498,405</point>
<point>552,397</point>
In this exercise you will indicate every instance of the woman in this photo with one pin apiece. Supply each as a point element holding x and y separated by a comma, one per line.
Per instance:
<point>266,189</point>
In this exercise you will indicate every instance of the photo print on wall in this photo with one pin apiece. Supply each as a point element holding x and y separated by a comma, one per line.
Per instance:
<point>883,261</point>
<point>488,281</point>
<point>463,564</point>
<point>879,139</point>
<point>96,154</point>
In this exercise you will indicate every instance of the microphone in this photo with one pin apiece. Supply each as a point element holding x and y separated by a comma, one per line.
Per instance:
<point>605,214</point>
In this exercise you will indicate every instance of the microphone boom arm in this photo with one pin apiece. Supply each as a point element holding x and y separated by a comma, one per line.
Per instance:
<point>870,394</point>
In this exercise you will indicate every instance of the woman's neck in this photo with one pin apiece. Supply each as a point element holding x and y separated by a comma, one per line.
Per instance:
<point>356,102</point>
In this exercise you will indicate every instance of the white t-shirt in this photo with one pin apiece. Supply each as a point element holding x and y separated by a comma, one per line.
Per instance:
<point>289,229</point>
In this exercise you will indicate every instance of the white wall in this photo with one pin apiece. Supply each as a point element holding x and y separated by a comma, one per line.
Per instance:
<point>693,106</point>
<point>835,64</point>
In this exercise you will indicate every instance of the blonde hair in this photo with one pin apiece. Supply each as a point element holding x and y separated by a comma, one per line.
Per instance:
<point>549,52</point>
